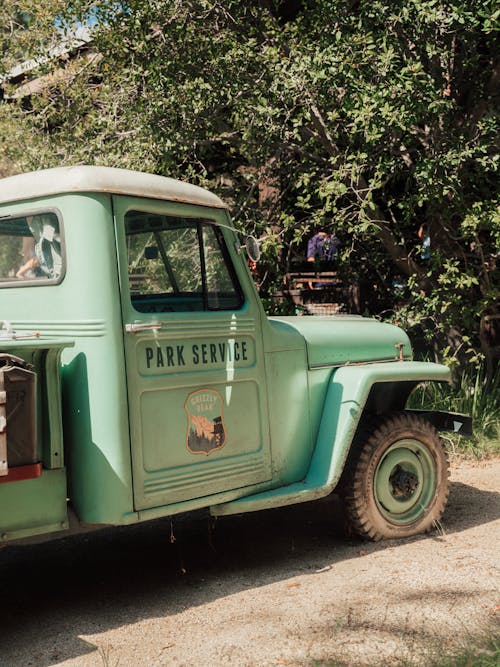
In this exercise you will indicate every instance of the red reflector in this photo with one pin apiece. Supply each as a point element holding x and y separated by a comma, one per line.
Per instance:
<point>19,473</point>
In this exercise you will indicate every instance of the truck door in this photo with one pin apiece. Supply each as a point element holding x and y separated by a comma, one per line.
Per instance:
<point>193,354</point>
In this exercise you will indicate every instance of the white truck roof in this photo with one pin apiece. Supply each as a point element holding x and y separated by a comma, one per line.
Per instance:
<point>102,179</point>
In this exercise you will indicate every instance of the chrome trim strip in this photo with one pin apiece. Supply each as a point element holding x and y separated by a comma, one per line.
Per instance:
<point>360,363</point>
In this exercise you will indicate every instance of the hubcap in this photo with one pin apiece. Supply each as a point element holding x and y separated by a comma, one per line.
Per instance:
<point>405,482</point>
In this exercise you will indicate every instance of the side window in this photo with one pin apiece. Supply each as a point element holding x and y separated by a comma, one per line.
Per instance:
<point>30,249</point>
<point>178,264</point>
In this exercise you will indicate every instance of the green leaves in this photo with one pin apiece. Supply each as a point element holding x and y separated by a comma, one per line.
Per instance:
<point>372,118</point>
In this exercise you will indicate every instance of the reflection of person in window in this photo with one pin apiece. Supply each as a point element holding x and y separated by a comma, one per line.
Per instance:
<point>47,259</point>
<point>30,266</point>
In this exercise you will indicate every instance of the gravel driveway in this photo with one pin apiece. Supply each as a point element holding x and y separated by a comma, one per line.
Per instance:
<point>284,587</point>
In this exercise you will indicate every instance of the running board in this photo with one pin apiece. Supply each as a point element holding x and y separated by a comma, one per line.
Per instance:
<point>299,492</point>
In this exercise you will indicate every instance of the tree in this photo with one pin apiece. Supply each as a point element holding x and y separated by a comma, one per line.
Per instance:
<point>372,117</point>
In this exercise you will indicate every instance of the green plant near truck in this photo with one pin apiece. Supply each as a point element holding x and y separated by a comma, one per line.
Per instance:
<point>140,377</point>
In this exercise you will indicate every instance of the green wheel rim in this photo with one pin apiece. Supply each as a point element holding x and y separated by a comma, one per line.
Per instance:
<point>405,482</point>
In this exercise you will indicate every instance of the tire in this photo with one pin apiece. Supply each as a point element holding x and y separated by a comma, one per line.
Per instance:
<point>396,484</point>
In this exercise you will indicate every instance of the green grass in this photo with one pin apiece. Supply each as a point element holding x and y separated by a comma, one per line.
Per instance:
<point>487,657</point>
<point>470,396</point>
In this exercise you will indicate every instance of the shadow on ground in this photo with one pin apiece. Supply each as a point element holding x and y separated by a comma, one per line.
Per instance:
<point>53,593</point>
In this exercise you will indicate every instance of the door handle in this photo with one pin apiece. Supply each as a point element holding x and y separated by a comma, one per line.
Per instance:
<point>137,327</point>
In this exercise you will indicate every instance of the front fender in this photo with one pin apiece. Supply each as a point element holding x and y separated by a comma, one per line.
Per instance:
<point>346,397</point>
<point>348,391</point>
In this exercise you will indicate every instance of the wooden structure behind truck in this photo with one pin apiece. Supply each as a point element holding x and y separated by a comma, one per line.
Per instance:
<point>163,387</point>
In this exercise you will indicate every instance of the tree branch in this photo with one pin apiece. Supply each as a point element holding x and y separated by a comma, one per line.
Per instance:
<point>396,251</point>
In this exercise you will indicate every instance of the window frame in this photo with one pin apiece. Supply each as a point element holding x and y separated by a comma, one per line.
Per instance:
<point>200,222</point>
<point>42,281</point>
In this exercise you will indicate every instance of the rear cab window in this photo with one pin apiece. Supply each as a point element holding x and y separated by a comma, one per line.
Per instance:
<point>31,249</point>
<point>178,264</point>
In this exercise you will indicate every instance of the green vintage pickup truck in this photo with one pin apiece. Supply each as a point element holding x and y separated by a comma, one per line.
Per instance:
<point>140,377</point>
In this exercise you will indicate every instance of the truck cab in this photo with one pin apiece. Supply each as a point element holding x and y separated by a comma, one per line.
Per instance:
<point>161,386</point>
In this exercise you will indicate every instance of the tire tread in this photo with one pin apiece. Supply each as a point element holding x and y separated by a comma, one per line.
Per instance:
<point>370,438</point>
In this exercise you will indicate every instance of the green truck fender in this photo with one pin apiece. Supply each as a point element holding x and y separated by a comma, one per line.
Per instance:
<point>347,395</point>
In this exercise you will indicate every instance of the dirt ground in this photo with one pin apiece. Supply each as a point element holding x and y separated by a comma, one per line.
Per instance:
<point>284,587</point>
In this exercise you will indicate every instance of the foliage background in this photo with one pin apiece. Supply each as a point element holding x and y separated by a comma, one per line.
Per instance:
<point>367,117</point>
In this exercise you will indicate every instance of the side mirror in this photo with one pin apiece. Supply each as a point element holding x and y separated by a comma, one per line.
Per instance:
<point>252,248</point>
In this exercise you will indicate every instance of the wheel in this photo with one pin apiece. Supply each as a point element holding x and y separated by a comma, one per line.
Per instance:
<point>396,484</point>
